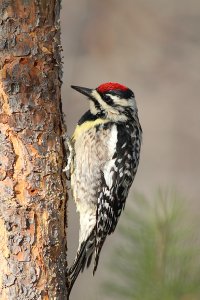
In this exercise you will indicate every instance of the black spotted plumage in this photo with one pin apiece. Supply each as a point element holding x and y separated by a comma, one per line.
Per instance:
<point>106,149</point>
<point>111,201</point>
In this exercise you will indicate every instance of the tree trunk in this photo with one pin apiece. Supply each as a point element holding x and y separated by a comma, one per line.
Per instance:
<point>32,184</point>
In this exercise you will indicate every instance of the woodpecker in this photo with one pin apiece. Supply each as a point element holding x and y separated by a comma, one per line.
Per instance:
<point>104,151</point>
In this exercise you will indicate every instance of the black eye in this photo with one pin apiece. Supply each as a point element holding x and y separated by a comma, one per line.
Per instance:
<point>107,99</point>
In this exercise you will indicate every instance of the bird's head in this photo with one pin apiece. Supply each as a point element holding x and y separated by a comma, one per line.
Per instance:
<point>110,100</point>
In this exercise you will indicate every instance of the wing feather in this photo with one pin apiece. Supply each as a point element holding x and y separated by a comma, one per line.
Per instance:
<point>116,179</point>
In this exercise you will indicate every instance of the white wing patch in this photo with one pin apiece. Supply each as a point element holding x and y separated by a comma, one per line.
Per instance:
<point>110,166</point>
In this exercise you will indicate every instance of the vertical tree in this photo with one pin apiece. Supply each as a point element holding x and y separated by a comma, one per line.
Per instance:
<point>32,184</point>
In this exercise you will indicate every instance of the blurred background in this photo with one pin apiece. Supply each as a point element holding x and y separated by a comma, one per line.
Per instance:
<point>153,47</point>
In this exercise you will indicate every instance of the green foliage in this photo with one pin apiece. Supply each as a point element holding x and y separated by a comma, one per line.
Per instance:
<point>158,256</point>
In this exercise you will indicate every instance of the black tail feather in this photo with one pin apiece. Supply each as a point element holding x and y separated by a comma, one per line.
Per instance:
<point>82,259</point>
<point>98,248</point>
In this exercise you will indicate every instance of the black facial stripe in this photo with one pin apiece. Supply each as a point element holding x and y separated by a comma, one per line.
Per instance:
<point>108,99</point>
<point>122,94</point>
<point>87,117</point>
<point>96,103</point>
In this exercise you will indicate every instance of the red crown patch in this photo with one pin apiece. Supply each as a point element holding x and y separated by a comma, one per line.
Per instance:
<point>110,86</point>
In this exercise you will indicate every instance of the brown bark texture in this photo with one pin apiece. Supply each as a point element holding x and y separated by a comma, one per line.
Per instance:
<point>32,184</point>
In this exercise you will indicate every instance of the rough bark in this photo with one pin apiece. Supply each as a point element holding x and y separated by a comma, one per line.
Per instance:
<point>32,184</point>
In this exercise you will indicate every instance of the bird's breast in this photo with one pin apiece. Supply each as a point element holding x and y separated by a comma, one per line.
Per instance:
<point>86,126</point>
<point>91,149</point>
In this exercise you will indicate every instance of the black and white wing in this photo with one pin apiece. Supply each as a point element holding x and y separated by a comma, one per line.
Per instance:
<point>117,177</point>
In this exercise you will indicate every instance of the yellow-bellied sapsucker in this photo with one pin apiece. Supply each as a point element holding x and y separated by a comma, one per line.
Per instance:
<point>105,151</point>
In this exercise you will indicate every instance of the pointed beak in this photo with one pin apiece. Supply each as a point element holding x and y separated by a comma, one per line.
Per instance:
<point>85,91</point>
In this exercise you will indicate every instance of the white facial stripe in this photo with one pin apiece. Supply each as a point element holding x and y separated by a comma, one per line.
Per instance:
<point>123,102</point>
<point>93,108</point>
<point>117,100</point>
<point>105,106</point>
